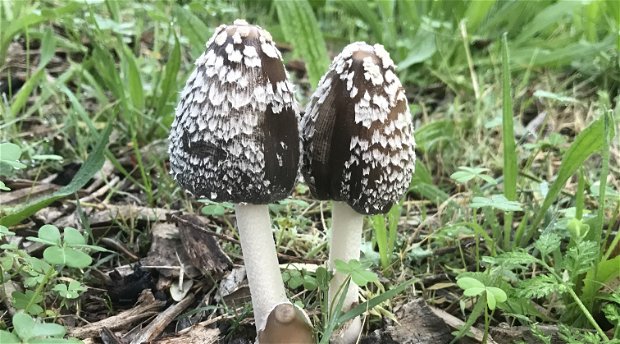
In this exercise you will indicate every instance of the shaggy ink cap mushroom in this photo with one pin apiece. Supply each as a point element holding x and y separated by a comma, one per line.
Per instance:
<point>235,136</point>
<point>357,133</point>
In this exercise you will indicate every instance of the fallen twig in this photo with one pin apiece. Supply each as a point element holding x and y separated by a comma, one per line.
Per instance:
<point>157,326</point>
<point>147,306</point>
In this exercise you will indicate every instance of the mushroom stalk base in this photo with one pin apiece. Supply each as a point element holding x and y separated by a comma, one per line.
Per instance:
<point>345,244</point>
<point>261,261</point>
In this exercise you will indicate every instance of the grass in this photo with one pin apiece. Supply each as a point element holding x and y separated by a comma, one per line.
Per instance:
<point>516,111</point>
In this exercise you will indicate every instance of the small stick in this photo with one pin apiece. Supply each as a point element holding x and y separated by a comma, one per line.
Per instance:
<point>205,323</point>
<point>157,326</point>
<point>147,306</point>
<point>101,191</point>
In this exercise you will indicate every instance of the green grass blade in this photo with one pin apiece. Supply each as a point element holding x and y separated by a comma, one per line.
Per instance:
<point>133,80</point>
<point>591,14</point>
<point>476,12</point>
<point>47,92</point>
<point>408,11</point>
<point>549,16</point>
<point>169,83</point>
<point>535,56</point>
<point>597,234</point>
<point>393,217</point>
<point>375,301</point>
<point>488,241</point>
<point>422,183</point>
<point>422,48</point>
<point>579,196</point>
<point>368,15</point>
<point>508,138</point>
<point>92,165</point>
<point>613,8</point>
<point>77,107</point>
<point>22,96</point>
<point>378,225</point>
<point>589,141</point>
<point>48,48</point>
<point>193,29</point>
<point>301,28</point>
<point>102,60</point>
<point>31,19</point>
<point>387,8</point>
<point>508,135</point>
<point>336,306</point>
<point>430,192</point>
<point>597,277</point>
<point>476,312</point>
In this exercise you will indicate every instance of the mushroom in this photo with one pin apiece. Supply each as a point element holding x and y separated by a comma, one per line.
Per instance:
<point>357,150</point>
<point>235,138</point>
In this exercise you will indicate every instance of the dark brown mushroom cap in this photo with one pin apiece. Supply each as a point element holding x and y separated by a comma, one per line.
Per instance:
<point>357,133</point>
<point>235,134</point>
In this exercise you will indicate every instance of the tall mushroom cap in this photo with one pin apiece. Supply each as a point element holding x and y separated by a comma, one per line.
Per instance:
<point>357,133</point>
<point>235,136</point>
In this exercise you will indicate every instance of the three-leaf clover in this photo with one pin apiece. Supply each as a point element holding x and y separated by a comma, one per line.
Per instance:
<point>28,301</point>
<point>473,287</point>
<point>69,291</point>
<point>296,278</point>
<point>9,161</point>
<point>465,174</point>
<point>214,208</point>
<point>28,330</point>
<point>66,250</point>
<point>359,272</point>
<point>5,232</point>
<point>9,157</point>
<point>499,202</point>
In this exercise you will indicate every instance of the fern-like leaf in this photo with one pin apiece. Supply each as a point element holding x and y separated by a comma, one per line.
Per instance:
<point>540,286</point>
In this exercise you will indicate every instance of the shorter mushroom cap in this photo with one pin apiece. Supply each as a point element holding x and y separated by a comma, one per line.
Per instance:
<point>357,133</point>
<point>235,134</point>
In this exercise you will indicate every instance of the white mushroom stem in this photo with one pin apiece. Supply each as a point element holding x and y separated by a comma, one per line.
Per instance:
<point>346,242</point>
<point>261,261</point>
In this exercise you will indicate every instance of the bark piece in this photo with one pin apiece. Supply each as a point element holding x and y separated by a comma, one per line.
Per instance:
<point>108,337</point>
<point>167,252</point>
<point>201,247</point>
<point>419,325</point>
